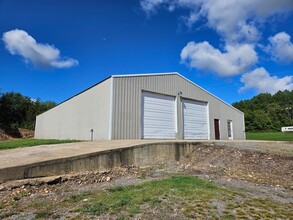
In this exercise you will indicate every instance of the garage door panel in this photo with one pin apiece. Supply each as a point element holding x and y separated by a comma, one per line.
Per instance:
<point>158,116</point>
<point>195,119</point>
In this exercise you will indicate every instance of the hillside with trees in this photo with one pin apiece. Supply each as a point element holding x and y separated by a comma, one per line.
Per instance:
<point>18,111</point>
<point>266,112</point>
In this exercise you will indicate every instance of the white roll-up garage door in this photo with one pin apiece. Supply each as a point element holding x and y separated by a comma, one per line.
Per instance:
<point>195,119</point>
<point>158,116</point>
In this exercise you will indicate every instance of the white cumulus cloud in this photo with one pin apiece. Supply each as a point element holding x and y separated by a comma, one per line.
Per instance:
<point>281,48</point>
<point>235,60</point>
<point>19,42</point>
<point>234,20</point>
<point>260,80</point>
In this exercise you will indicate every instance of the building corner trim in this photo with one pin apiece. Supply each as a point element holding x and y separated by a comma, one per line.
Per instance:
<point>111,109</point>
<point>208,122</point>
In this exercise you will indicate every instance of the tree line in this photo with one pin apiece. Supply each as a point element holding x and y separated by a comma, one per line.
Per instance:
<point>266,112</point>
<point>18,111</point>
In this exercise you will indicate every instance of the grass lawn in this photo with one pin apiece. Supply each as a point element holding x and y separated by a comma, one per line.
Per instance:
<point>30,142</point>
<point>187,196</point>
<point>270,136</point>
<point>150,195</point>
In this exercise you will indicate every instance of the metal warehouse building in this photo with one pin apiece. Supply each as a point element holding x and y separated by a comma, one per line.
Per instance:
<point>143,106</point>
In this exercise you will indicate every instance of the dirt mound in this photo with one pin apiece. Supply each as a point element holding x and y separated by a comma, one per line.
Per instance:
<point>25,133</point>
<point>7,133</point>
<point>248,165</point>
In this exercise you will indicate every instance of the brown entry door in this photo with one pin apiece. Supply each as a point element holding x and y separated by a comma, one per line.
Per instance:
<point>217,129</point>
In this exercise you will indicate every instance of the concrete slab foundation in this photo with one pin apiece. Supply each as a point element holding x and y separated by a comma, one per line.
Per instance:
<point>49,160</point>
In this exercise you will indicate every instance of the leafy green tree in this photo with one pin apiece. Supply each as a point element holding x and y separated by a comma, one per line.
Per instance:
<point>261,101</point>
<point>262,121</point>
<point>266,112</point>
<point>13,108</point>
<point>17,110</point>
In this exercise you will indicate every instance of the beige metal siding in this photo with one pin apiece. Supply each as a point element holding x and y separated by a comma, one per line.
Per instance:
<point>74,118</point>
<point>126,123</point>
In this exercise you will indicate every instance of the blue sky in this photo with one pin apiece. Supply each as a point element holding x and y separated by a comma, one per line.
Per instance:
<point>52,49</point>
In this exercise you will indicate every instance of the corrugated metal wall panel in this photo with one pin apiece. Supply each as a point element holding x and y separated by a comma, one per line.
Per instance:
<point>127,90</point>
<point>74,118</point>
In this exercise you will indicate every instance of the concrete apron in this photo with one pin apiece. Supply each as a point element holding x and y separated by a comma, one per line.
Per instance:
<point>140,155</point>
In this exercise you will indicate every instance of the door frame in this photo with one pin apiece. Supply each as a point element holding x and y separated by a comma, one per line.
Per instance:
<point>141,115</point>
<point>231,129</point>
<point>217,127</point>
<point>182,115</point>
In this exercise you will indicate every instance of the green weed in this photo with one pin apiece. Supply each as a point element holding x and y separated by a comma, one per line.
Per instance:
<point>42,214</point>
<point>96,209</point>
<point>78,197</point>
